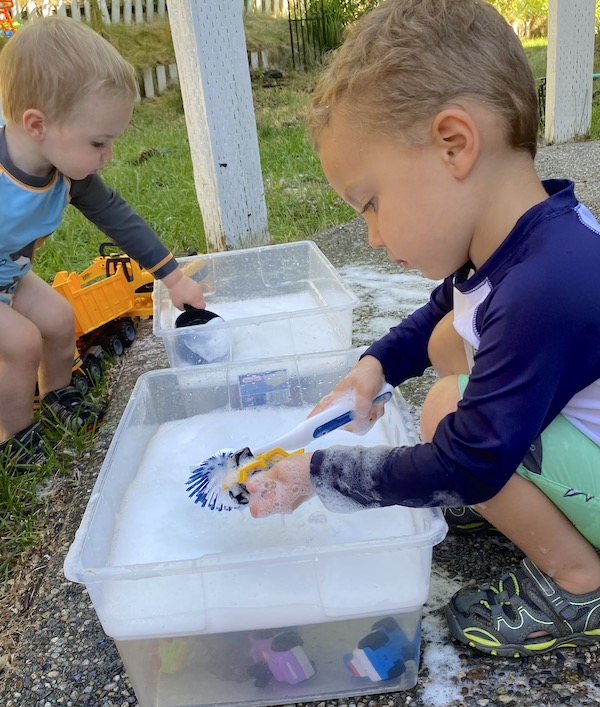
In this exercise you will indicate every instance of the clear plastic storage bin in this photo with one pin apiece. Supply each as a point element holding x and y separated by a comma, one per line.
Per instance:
<point>273,301</point>
<point>218,608</point>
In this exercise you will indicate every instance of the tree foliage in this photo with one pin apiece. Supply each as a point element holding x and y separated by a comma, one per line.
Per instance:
<point>524,10</point>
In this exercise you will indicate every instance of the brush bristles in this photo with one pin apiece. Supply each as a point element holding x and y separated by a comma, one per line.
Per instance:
<point>205,484</point>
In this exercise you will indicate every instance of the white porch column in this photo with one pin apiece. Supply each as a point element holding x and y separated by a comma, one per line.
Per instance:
<point>570,65</point>
<point>210,49</point>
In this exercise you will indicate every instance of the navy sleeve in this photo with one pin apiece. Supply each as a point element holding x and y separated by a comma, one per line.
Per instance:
<point>403,351</point>
<point>540,337</point>
<point>105,208</point>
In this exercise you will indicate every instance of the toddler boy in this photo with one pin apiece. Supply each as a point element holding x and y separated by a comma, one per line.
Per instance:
<point>66,96</point>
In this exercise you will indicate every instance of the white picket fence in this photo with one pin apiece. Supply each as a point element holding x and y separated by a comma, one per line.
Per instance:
<point>273,7</point>
<point>113,11</point>
<point>126,11</point>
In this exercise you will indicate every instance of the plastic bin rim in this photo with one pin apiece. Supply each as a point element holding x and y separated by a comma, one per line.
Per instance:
<point>215,562</point>
<point>353,300</point>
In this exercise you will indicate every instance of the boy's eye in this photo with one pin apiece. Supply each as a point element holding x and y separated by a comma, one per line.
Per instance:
<point>367,206</point>
<point>97,144</point>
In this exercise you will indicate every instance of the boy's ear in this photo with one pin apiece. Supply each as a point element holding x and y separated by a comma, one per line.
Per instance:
<point>455,132</point>
<point>34,124</point>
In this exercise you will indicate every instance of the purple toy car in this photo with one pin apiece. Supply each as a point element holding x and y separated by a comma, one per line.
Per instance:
<point>278,654</point>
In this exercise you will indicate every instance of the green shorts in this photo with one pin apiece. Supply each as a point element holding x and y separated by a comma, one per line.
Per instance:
<point>565,465</point>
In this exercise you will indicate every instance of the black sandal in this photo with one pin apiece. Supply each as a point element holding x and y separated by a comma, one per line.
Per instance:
<point>499,619</point>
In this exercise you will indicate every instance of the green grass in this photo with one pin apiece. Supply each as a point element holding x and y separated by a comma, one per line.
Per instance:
<point>536,50</point>
<point>161,188</point>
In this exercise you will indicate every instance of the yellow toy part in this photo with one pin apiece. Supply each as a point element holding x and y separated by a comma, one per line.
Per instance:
<point>261,462</point>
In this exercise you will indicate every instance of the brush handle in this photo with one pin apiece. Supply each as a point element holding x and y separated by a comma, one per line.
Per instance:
<point>332,418</point>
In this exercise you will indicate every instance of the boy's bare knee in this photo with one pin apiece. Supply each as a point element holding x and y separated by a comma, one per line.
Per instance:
<point>446,349</point>
<point>64,324</point>
<point>442,399</point>
<point>59,327</point>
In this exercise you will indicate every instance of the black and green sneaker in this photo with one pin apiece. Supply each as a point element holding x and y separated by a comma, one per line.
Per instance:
<point>524,613</point>
<point>465,520</point>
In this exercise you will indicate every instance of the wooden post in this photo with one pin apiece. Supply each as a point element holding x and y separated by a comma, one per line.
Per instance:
<point>210,49</point>
<point>161,78</point>
<point>570,65</point>
<point>75,11</point>
<point>115,12</point>
<point>148,78</point>
<point>127,12</point>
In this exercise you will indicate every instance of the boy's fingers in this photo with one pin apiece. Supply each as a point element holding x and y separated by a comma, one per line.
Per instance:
<point>282,488</point>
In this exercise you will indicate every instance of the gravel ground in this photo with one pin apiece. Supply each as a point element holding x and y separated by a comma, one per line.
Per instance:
<point>54,652</point>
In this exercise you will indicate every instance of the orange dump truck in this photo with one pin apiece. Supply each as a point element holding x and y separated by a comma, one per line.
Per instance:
<point>107,298</point>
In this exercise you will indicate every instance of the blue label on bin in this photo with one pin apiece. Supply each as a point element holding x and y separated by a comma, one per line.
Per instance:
<point>264,388</point>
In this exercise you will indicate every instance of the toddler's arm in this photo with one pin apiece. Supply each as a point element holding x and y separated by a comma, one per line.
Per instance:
<point>183,290</point>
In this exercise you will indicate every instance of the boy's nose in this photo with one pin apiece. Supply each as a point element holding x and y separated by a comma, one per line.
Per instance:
<point>375,240</point>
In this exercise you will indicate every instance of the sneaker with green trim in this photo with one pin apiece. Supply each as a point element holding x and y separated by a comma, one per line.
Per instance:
<point>500,618</point>
<point>465,520</point>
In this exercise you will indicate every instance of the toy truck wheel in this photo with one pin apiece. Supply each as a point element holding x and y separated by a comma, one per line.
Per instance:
<point>79,381</point>
<point>389,624</point>
<point>396,670</point>
<point>113,345</point>
<point>374,641</point>
<point>126,332</point>
<point>286,641</point>
<point>93,367</point>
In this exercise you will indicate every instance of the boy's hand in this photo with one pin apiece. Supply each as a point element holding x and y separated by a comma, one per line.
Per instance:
<point>282,488</point>
<point>361,385</point>
<point>183,290</point>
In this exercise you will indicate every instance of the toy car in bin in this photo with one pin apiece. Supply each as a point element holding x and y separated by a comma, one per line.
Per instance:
<point>383,653</point>
<point>278,654</point>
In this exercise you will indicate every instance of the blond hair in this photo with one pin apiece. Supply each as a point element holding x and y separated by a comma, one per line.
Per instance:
<point>406,60</point>
<point>53,63</point>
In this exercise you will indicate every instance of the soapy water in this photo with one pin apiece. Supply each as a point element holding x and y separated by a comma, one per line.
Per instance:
<point>157,523</point>
<point>156,506</point>
<point>213,345</point>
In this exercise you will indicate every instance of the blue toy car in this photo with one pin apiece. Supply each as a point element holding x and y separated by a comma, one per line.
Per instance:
<point>383,653</point>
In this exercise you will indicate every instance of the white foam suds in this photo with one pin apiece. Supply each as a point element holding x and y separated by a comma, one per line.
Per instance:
<point>282,561</point>
<point>174,527</point>
<point>270,339</point>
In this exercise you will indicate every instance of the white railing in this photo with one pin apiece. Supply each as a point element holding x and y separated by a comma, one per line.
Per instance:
<point>126,11</point>
<point>112,11</point>
<point>277,8</point>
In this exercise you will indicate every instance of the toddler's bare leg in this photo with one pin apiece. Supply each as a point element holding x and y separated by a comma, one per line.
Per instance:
<point>54,319</point>
<point>20,354</point>
<point>524,514</point>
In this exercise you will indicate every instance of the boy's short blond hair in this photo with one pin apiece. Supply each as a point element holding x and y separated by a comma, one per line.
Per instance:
<point>406,60</point>
<point>52,63</point>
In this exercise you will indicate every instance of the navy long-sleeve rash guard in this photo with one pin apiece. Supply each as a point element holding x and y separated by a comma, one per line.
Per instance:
<point>533,316</point>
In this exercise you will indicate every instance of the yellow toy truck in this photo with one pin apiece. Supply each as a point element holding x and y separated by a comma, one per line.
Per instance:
<point>107,298</point>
